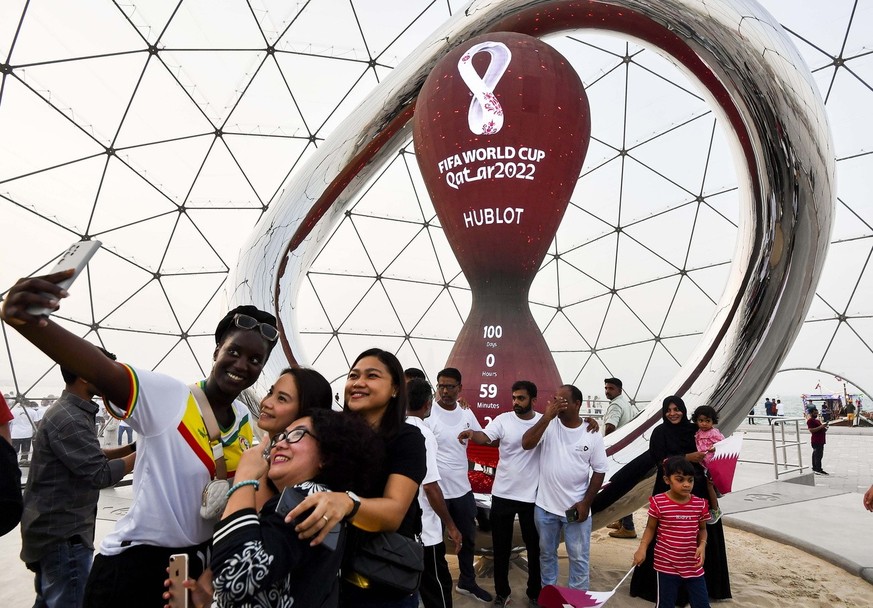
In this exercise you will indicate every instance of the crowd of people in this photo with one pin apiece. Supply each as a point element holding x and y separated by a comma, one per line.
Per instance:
<point>307,494</point>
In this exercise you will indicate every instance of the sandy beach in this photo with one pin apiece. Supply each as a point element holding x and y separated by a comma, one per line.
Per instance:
<point>764,574</point>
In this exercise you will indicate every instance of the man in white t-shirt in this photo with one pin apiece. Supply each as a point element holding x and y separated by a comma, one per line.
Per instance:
<point>436,580</point>
<point>515,489</point>
<point>447,420</point>
<point>572,467</point>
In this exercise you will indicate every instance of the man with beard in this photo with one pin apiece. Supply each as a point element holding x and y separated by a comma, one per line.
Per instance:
<point>514,490</point>
<point>573,465</point>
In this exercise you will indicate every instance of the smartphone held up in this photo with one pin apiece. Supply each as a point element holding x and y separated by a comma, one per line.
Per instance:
<point>76,257</point>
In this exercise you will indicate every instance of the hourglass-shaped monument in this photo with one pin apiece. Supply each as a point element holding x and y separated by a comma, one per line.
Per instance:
<point>501,129</point>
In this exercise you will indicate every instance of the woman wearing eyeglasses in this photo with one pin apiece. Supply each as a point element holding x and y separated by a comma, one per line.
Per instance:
<point>257,559</point>
<point>375,391</point>
<point>174,457</point>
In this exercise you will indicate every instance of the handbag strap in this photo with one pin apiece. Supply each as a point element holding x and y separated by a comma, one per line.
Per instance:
<point>212,428</point>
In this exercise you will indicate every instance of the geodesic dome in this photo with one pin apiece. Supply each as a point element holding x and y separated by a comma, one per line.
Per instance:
<point>167,129</point>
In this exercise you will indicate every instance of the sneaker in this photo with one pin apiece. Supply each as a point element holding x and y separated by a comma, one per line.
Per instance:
<point>501,602</point>
<point>623,533</point>
<point>714,516</point>
<point>614,525</point>
<point>476,591</point>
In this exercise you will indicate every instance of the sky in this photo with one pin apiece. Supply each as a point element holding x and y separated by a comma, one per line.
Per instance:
<point>168,129</point>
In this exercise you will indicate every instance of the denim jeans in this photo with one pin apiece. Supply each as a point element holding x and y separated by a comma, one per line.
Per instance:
<point>577,538</point>
<point>122,430</point>
<point>61,575</point>
<point>669,585</point>
<point>627,522</point>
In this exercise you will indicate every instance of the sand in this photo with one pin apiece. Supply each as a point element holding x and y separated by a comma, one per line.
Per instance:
<point>764,573</point>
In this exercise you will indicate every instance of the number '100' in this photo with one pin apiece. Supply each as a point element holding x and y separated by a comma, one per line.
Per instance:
<point>492,331</point>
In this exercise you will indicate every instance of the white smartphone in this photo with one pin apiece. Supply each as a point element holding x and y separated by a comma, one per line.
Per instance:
<point>178,575</point>
<point>76,257</point>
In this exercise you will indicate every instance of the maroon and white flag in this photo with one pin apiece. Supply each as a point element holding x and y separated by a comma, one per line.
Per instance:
<point>553,596</point>
<point>723,463</point>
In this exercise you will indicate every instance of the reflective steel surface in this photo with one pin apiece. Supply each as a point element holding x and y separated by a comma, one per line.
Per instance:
<point>753,77</point>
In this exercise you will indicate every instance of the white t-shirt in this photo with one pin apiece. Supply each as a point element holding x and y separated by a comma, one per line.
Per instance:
<point>21,427</point>
<point>431,526</point>
<point>518,469</point>
<point>567,459</point>
<point>173,463</point>
<point>452,454</point>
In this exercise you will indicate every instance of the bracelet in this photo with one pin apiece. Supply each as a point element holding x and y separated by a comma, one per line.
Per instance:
<point>247,482</point>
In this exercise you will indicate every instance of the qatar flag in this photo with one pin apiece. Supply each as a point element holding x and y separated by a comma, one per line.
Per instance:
<point>553,596</point>
<point>723,463</point>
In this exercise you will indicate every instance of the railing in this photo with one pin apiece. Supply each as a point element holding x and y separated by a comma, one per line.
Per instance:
<point>784,435</point>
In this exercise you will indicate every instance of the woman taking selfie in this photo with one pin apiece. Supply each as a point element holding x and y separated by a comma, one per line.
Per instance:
<point>174,457</point>
<point>375,391</point>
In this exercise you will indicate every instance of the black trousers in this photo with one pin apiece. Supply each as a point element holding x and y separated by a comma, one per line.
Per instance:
<point>135,577</point>
<point>817,455</point>
<point>436,580</point>
<point>463,512</point>
<point>503,512</point>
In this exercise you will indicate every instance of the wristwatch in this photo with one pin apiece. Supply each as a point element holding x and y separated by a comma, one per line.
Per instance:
<point>356,504</point>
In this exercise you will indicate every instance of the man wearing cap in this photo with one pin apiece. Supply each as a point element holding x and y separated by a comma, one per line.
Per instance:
<point>618,413</point>
<point>176,458</point>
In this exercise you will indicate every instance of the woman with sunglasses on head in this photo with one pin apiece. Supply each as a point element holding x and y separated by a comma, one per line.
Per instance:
<point>375,391</point>
<point>175,459</point>
<point>257,559</point>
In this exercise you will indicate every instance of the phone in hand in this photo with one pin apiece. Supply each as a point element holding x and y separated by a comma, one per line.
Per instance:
<point>178,575</point>
<point>289,499</point>
<point>572,514</point>
<point>76,257</point>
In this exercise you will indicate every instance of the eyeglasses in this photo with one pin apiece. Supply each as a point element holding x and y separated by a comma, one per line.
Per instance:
<point>447,387</point>
<point>292,436</point>
<point>246,322</point>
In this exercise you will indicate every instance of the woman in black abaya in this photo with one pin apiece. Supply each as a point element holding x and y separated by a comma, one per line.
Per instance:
<point>675,437</point>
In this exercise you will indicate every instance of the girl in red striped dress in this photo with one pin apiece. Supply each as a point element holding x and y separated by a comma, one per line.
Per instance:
<point>677,524</point>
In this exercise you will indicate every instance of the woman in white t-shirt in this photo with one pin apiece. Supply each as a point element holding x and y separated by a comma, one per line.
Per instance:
<point>174,456</point>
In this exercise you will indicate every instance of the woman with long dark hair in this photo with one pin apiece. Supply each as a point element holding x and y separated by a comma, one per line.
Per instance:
<point>375,390</point>
<point>675,437</point>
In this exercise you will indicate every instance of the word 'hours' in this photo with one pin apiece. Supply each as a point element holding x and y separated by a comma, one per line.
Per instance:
<point>488,389</point>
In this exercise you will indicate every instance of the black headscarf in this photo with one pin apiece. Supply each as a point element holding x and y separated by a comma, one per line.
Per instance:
<point>670,439</point>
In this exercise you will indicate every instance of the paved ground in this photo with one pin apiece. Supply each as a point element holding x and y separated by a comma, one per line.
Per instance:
<point>820,515</point>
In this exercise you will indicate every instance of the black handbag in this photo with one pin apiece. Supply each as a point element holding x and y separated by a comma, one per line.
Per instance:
<point>388,558</point>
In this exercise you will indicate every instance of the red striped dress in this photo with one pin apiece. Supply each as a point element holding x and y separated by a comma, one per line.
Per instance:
<point>676,539</point>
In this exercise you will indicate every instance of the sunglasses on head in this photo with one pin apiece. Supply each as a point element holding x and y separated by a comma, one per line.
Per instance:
<point>246,322</point>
